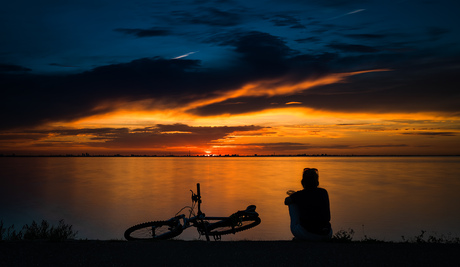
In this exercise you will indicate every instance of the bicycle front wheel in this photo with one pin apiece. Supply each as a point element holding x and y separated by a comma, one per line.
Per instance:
<point>158,230</point>
<point>229,226</point>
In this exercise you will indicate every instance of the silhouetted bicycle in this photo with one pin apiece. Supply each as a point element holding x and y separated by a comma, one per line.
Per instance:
<point>208,226</point>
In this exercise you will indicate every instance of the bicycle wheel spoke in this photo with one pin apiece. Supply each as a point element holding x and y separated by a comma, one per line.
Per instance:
<point>232,226</point>
<point>153,230</point>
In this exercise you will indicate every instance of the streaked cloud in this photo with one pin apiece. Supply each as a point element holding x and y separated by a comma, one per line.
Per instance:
<point>185,55</point>
<point>279,77</point>
<point>349,13</point>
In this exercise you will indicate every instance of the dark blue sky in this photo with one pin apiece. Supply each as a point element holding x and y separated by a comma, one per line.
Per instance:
<point>68,60</point>
<point>73,36</point>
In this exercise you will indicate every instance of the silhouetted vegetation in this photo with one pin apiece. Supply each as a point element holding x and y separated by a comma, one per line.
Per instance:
<point>346,236</point>
<point>431,238</point>
<point>35,231</point>
<point>343,236</point>
<point>63,231</point>
<point>9,233</point>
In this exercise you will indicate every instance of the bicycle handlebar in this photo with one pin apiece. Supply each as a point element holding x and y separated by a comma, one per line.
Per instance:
<point>198,198</point>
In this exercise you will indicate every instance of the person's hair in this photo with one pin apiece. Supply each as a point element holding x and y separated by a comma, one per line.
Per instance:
<point>310,178</point>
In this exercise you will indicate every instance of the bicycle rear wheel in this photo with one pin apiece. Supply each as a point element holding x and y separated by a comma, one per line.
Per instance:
<point>230,226</point>
<point>158,230</point>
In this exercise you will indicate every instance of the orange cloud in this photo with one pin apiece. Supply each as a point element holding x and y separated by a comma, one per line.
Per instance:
<point>274,87</point>
<point>136,127</point>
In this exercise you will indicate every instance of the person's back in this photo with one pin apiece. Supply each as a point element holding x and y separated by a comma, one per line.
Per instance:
<point>313,204</point>
<point>309,209</point>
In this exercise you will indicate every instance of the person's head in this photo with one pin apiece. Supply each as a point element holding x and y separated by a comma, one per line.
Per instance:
<point>310,178</point>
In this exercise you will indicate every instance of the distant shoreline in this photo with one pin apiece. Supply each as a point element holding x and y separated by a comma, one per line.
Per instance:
<point>86,155</point>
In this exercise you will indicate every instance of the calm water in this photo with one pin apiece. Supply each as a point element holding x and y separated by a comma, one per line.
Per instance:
<point>383,197</point>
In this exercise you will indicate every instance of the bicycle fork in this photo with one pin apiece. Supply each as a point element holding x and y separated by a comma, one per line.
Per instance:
<point>202,225</point>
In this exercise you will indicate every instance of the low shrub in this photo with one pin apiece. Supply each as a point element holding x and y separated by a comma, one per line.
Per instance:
<point>343,236</point>
<point>42,231</point>
<point>432,238</point>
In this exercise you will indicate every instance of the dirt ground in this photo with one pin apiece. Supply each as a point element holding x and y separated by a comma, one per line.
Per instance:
<point>231,253</point>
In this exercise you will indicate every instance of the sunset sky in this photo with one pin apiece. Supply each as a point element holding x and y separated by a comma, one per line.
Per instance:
<point>358,77</point>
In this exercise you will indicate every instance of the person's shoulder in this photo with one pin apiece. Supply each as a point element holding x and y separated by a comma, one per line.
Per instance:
<point>321,190</point>
<point>297,194</point>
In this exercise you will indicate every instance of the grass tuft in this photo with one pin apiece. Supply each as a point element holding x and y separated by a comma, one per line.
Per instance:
<point>346,236</point>
<point>432,238</point>
<point>343,236</point>
<point>42,231</point>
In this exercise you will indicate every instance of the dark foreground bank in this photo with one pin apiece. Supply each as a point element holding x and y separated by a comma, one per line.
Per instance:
<point>238,253</point>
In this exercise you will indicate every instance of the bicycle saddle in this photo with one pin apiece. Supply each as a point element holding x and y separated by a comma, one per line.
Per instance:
<point>251,208</point>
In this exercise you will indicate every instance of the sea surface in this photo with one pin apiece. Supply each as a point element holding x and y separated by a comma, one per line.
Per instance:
<point>378,197</point>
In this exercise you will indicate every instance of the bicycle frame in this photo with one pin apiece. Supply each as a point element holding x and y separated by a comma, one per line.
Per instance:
<point>200,221</point>
<point>197,221</point>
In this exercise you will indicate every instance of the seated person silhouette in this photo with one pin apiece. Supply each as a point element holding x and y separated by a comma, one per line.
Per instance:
<point>309,209</point>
